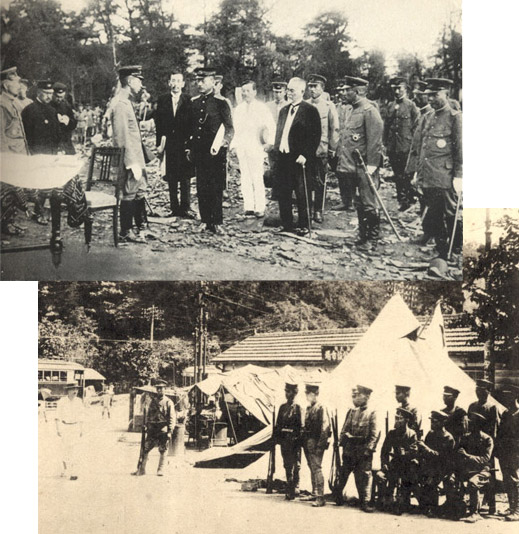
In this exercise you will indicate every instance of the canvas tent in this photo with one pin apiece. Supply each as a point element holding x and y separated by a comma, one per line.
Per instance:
<point>394,350</point>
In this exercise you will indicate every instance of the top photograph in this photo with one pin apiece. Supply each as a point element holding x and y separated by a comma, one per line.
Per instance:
<point>231,140</point>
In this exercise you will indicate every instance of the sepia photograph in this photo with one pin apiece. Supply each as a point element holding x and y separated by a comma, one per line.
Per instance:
<point>224,406</point>
<point>232,139</point>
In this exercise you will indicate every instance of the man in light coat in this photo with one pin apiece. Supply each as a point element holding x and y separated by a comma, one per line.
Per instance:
<point>254,134</point>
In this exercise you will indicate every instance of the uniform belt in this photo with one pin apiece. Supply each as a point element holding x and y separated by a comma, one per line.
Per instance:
<point>65,423</point>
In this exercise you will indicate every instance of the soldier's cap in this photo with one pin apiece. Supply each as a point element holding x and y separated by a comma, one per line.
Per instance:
<point>438,416</point>
<point>291,386</point>
<point>202,72</point>
<point>438,266</point>
<point>131,70</point>
<point>511,388</point>
<point>314,79</point>
<point>406,389</point>
<point>477,417</point>
<point>364,390</point>
<point>44,84</point>
<point>419,86</point>
<point>448,390</point>
<point>484,384</point>
<point>397,80</point>
<point>312,388</point>
<point>437,84</point>
<point>355,82</point>
<point>160,383</point>
<point>71,386</point>
<point>278,85</point>
<point>59,87</point>
<point>246,81</point>
<point>404,413</point>
<point>9,73</point>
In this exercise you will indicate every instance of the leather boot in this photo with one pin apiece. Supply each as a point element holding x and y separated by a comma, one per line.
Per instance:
<point>142,468</point>
<point>373,225</point>
<point>138,213</point>
<point>319,502</point>
<point>126,216</point>
<point>162,460</point>
<point>514,506</point>
<point>363,236</point>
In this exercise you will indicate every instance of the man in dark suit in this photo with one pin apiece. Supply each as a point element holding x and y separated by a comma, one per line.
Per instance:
<point>40,121</point>
<point>297,137</point>
<point>211,132</point>
<point>172,122</point>
<point>66,118</point>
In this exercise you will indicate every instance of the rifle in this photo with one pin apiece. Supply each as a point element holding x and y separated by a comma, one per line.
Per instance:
<point>359,159</point>
<point>335,472</point>
<point>143,440</point>
<point>272,456</point>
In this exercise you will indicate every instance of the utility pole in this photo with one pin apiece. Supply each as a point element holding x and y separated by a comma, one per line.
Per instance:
<point>152,313</point>
<point>488,233</point>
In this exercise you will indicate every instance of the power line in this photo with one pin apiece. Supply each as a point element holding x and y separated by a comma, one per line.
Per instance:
<point>234,303</point>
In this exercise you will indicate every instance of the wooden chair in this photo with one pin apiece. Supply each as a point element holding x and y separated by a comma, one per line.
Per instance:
<point>106,167</point>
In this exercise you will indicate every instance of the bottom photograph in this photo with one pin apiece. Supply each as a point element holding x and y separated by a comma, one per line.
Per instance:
<point>232,406</point>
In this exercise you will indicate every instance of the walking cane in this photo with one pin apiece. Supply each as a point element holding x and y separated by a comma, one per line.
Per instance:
<point>307,203</point>
<point>324,191</point>
<point>358,157</point>
<point>454,227</point>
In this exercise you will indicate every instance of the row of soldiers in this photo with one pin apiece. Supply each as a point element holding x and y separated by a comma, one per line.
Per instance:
<point>456,457</point>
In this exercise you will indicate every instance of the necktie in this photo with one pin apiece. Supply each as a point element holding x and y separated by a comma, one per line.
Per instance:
<point>292,110</point>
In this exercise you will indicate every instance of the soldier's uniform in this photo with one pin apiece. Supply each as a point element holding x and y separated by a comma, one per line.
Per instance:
<point>359,437</point>
<point>363,131</point>
<point>160,423</point>
<point>415,422</point>
<point>398,459</point>
<point>507,450</point>
<point>473,467</point>
<point>487,409</point>
<point>399,126</point>
<point>316,434</point>
<point>456,422</point>
<point>288,433</point>
<point>64,108</point>
<point>327,146</point>
<point>42,128</point>
<point>209,113</point>
<point>346,184</point>
<point>126,134</point>
<point>435,458</point>
<point>437,149</point>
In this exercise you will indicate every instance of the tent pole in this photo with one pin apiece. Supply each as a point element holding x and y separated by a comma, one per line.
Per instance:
<point>230,420</point>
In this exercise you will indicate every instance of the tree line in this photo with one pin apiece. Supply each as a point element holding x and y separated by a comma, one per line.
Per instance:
<point>84,49</point>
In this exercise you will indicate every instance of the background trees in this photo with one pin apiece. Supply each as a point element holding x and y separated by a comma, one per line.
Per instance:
<point>84,49</point>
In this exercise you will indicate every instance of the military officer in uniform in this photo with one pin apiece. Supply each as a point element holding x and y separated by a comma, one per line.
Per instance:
<point>363,131</point>
<point>420,97</point>
<point>400,122</point>
<point>507,450</point>
<point>288,433</point>
<point>316,437</point>
<point>359,438</point>
<point>435,457</point>
<point>346,184</point>
<point>12,139</point>
<point>402,394</point>
<point>486,407</point>
<point>160,423</point>
<point>399,464</point>
<point>23,101</point>
<point>472,463</point>
<point>126,134</point>
<point>456,422</point>
<point>42,131</point>
<point>69,427</point>
<point>437,152</point>
<point>66,117</point>
<point>329,139</point>
<point>211,132</point>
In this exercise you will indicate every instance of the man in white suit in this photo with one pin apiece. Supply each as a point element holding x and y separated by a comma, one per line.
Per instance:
<point>254,135</point>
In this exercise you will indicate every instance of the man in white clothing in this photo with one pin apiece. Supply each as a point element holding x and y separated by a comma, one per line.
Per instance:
<point>69,427</point>
<point>254,135</point>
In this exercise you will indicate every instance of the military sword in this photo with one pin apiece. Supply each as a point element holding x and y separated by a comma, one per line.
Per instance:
<point>454,227</point>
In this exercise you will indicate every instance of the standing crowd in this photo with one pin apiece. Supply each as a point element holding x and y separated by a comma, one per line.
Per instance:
<point>303,140</point>
<point>450,471</point>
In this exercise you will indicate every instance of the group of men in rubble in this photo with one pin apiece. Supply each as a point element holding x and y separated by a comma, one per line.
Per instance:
<point>304,141</point>
<point>455,459</point>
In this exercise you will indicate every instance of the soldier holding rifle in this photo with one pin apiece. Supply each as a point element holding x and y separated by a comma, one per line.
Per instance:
<point>287,433</point>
